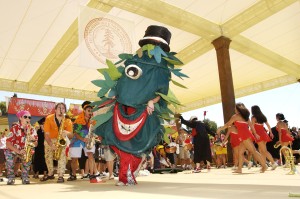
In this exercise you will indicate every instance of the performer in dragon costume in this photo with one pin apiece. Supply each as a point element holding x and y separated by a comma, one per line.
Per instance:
<point>138,96</point>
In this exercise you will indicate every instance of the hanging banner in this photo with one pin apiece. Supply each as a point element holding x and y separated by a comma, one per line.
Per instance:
<point>101,37</point>
<point>37,108</point>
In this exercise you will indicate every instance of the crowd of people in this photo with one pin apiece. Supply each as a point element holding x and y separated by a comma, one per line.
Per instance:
<point>253,143</point>
<point>58,143</point>
<point>53,144</point>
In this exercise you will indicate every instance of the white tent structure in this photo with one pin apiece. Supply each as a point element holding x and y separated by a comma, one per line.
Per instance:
<point>39,48</point>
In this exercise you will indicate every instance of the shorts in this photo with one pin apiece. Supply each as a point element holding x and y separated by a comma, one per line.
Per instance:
<point>82,160</point>
<point>108,154</point>
<point>75,152</point>
<point>183,153</point>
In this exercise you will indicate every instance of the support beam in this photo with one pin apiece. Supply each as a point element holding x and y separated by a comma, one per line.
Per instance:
<point>194,50</point>
<point>176,17</point>
<point>63,49</point>
<point>241,92</point>
<point>65,46</point>
<point>221,45</point>
<point>258,12</point>
<point>266,56</point>
<point>48,90</point>
<point>169,15</point>
<point>179,18</point>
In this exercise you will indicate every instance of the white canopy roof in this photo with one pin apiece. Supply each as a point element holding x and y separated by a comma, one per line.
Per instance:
<point>39,51</point>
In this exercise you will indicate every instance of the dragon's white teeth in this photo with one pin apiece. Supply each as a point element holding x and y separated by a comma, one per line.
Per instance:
<point>126,129</point>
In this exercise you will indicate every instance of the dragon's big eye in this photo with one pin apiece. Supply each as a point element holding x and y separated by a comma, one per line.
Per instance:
<point>133,71</point>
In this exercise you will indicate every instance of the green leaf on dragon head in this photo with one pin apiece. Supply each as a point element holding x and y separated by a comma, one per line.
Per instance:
<point>149,58</point>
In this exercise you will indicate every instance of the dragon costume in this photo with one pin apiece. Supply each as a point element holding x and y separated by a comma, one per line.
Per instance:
<point>127,127</point>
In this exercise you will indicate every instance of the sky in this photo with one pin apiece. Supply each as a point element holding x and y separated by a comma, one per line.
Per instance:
<point>284,100</point>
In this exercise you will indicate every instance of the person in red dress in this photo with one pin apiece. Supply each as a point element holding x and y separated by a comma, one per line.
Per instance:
<point>235,143</point>
<point>285,137</point>
<point>259,120</point>
<point>242,122</point>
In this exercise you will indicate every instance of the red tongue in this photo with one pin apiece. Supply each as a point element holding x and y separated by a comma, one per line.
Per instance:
<point>129,110</point>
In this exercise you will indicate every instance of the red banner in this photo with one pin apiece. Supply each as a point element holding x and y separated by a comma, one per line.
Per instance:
<point>35,107</point>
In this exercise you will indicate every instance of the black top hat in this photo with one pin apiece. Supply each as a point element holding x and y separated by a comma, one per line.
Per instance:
<point>157,35</point>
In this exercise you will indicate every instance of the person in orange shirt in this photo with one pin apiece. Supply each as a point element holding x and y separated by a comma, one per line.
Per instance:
<point>52,131</point>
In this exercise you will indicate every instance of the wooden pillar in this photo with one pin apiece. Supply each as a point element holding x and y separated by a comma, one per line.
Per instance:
<point>221,45</point>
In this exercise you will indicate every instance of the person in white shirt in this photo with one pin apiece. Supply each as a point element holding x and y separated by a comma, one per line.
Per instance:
<point>2,148</point>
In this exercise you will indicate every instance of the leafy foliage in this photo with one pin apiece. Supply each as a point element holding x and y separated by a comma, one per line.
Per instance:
<point>3,108</point>
<point>113,73</point>
<point>211,125</point>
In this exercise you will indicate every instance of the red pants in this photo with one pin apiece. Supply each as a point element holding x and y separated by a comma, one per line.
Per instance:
<point>128,165</point>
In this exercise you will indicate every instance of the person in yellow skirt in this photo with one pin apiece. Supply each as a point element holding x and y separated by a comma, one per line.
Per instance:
<point>221,152</point>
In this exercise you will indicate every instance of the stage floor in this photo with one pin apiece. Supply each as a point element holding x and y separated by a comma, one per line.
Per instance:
<point>217,183</point>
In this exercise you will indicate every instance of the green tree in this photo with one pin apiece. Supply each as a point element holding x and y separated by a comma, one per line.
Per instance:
<point>211,124</point>
<point>3,108</point>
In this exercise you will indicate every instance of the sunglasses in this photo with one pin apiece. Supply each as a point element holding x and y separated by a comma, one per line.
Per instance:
<point>25,117</point>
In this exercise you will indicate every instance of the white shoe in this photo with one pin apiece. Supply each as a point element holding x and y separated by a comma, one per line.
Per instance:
<point>250,164</point>
<point>285,166</point>
<point>274,166</point>
<point>144,172</point>
<point>119,183</point>
<point>234,168</point>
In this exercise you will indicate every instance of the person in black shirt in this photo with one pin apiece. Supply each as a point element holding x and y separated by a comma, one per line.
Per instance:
<point>202,150</point>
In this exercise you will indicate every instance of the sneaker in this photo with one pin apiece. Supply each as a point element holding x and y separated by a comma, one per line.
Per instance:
<point>25,181</point>
<point>51,177</point>
<point>250,164</point>
<point>197,170</point>
<point>60,180</point>
<point>285,166</point>
<point>94,179</point>
<point>36,176</point>
<point>119,183</point>
<point>11,181</point>
<point>234,168</point>
<point>85,177</point>
<point>46,177</point>
<point>72,178</point>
